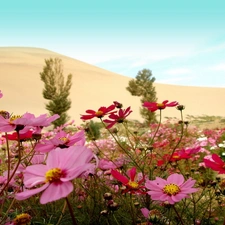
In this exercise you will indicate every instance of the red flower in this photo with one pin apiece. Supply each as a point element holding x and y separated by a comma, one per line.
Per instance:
<point>131,185</point>
<point>102,111</point>
<point>153,106</point>
<point>122,114</point>
<point>216,164</point>
<point>23,136</point>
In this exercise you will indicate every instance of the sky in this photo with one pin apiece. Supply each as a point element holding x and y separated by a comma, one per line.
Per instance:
<point>181,41</point>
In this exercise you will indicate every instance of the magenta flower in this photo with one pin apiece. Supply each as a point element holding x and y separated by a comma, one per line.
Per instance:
<point>153,106</point>
<point>61,140</point>
<point>215,163</point>
<point>54,178</point>
<point>102,111</point>
<point>131,183</point>
<point>117,118</point>
<point>1,95</point>
<point>172,190</point>
<point>22,137</point>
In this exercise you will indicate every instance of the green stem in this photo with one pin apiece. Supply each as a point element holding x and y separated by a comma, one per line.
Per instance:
<point>71,211</point>
<point>178,143</point>
<point>157,129</point>
<point>178,215</point>
<point>124,150</point>
<point>115,219</point>
<point>15,169</point>
<point>62,213</point>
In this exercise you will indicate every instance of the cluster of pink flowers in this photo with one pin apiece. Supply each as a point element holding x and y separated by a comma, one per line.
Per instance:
<point>59,157</point>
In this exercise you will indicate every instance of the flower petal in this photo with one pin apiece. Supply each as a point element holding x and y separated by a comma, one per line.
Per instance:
<point>28,193</point>
<point>56,191</point>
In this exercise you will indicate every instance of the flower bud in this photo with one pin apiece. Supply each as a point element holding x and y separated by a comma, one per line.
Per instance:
<point>107,196</point>
<point>180,107</point>
<point>113,206</point>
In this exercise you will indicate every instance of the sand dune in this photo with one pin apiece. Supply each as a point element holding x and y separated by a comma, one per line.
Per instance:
<point>92,87</point>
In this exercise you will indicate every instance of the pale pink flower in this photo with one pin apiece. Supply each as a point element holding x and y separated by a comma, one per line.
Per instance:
<point>62,140</point>
<point>37,123</point>
<point>173,190</point>
<point>1,95</point>
<point>27,121</point>
<point>38,158</point>
<point>54,178</point>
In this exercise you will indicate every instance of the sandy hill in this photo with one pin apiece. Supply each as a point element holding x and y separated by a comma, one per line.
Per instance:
<point>92,87</point>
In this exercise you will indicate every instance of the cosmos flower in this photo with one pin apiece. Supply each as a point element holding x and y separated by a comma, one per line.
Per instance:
<point>215,163</point>
<point>117,118</point>
<point>105,164</point>
<point>101,112</point>
<point>27,120</point>
<point>54,178</point>
<point>130,182</point>
<point>61,140</point>
<point>153,106</point>
<point>173,190</point>
<point>22,137</point>
<point>13,123</point>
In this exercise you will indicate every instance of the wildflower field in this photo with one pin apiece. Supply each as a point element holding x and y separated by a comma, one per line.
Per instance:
<point>113,171</point>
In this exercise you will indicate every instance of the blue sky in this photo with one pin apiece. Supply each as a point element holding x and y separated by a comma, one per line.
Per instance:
<point>182,42</point>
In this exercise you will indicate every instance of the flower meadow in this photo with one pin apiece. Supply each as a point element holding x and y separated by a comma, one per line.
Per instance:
<point>132,173</point>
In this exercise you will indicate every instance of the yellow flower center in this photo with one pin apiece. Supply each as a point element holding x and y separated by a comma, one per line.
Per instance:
<point>64,139</point>
<point>133,184</point>
<point>160,105</point>
<point>171,189</point>
<point>53,175</point>
<point>12,118</point>
<point>22,219</point>
<point>99,114</point>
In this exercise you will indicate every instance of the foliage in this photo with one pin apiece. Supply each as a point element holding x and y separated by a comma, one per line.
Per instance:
<point>115,190</point>
<point>56,89</point>
<point>93,130</point>
<point>142,86</point>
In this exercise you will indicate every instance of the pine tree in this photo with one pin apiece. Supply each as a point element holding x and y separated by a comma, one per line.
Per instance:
<point>56,90</point>
<point>142,86</point>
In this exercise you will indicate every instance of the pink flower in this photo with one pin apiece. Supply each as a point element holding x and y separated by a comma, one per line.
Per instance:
<point>153,106</point>
<point>13,123</point>
<point>105,164</point>
<point>122,114</point>
<point>54,178</point>
<point>62,140</point>
<point>37,123</point>
<point>131,184</point>
<point>1,95</point>
<point>102,111</point>
<point>215,163</point>
<point>27,120</point>
<point>172,190</point>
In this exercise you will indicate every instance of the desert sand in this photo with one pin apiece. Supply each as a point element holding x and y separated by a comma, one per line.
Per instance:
<point>92,87</point>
